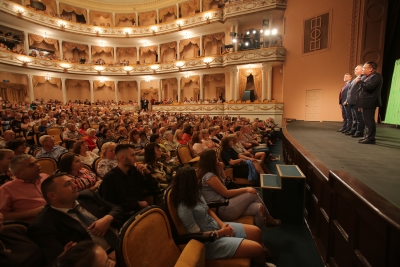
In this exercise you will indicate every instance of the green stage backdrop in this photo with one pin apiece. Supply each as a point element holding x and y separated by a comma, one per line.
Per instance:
<point>393,109</point>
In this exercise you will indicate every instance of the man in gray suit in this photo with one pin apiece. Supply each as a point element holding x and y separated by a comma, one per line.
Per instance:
<point>369,97</point>
<point>357,129</point>
<point>345,109</point>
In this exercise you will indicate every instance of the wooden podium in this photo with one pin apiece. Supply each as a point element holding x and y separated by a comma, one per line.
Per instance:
<point>283,193</point>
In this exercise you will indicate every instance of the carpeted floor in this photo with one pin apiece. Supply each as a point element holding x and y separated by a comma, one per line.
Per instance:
<point>377,166</point>
<point>291,245</point>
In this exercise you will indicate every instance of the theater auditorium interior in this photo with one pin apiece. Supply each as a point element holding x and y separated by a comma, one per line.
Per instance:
<point>216,67</point>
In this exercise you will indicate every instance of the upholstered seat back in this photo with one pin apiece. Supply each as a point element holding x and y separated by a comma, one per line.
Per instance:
<point>48,165</point>
<point>146,240</point>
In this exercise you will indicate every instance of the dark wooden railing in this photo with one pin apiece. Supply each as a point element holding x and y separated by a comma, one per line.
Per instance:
<point>351,224</point>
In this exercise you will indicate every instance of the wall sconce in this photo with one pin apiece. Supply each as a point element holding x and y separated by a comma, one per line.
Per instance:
<point>154,68</point>
<point>127,32</point>
<point>97,31</point>
<point>128,69</point>
<point>65,66</point>
<point>62,25</point>
<point>207,17</point>
<point>179,23</point>
<point>153,29</point>
<point>20,11</point>
<point>25,60</point>
<point>179,65</point>
<point>186,75</point>
<point>101,79</point>
<point>99,69</point>
<point>208,61</point>
<point>47,78</point>
<point>147,79</point>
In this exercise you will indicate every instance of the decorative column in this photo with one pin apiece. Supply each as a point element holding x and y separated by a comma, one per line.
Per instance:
<point>264,81</point>
<point>158,16</point>
<point>179,89</point>
<point>139,93</point>
<point>26,43</point>
<point>201,6</point>
<point>201,87</point>
<point>137,54</point>
<point>61,50</point>
<point>201,46</point>
<point>269,90</point>
<point>91,91</point>
<point>23,3</point>
<point>231,82</point>
<point>177,11</point>
<point>159,90</point>
<point>237,81</point>
<point>30,85</point>
<point>113,21</point>
<point>64,90</point>
<point>137,19</point>
<point>90,54</point>
<point>88,16</point>
<point>234,29</point>
<point>115,55</point>
<point>116,91</point>
<point>159,53</point>
<point>178,50</point>
<point>57,4</point>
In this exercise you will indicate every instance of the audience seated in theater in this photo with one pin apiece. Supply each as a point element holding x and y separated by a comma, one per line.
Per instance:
<point>242,166</point>
<point>158,170</point>
<point>49,149</point>
<point>243,201</point>
<point>21,199</point>
<point>206,137</point>
<point>91,140</point>
<point>108,160</point>
<point>198,146</point>
<point>233,240</point>
<point>124,184</point>
<point>187,134</point>
<point>83,178</point>
<point>84,126</point>
<point>8,135</point>
<point>170,143</point>
<point>134,140</point>
<point>165,154</point>
<point>70,216</point>
<point>71,135</point>
<point>143,138</point>
<point>81,149</point>
<point>178,137</point>
<point>85,253</point>
<point>17,249</point>
<point>108,136</point>
<point>18,145</point>
<point>6,155</point>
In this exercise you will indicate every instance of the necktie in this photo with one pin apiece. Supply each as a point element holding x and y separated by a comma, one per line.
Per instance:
<point>110,237</point>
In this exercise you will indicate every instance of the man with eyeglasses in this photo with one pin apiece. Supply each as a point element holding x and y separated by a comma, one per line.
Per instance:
<point>49,149</point>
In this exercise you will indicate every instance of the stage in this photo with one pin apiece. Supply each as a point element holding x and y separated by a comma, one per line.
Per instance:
<point>377,166</point>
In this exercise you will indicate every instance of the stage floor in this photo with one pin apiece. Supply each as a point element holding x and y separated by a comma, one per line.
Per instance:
<point>377,166</point>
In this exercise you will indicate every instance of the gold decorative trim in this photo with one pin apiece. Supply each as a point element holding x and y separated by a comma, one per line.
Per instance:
<point>273,54</point>
<point>213,16</point>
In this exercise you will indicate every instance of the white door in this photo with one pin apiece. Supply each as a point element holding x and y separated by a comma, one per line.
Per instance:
<point>313,102</point>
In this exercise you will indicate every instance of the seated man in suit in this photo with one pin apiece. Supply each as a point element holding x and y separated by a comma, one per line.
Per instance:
<point>21,199</point>
<point>70,216</point>
<point>124,184</point>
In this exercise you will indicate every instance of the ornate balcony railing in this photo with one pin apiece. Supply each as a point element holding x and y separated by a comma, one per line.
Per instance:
<point>272,54</point>
<point>211,16</point>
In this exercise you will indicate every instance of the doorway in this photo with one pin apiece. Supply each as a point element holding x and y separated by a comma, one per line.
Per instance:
<point>313,102</point>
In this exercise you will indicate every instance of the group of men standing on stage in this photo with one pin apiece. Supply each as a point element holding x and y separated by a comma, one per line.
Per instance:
<point>358,100</point>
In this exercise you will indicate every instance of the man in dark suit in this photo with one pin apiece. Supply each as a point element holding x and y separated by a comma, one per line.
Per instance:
<point>71,217</point>
<point>144,104</point>
<point>346,111</point>
<point>369,97</point>
<point>357,129</point>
